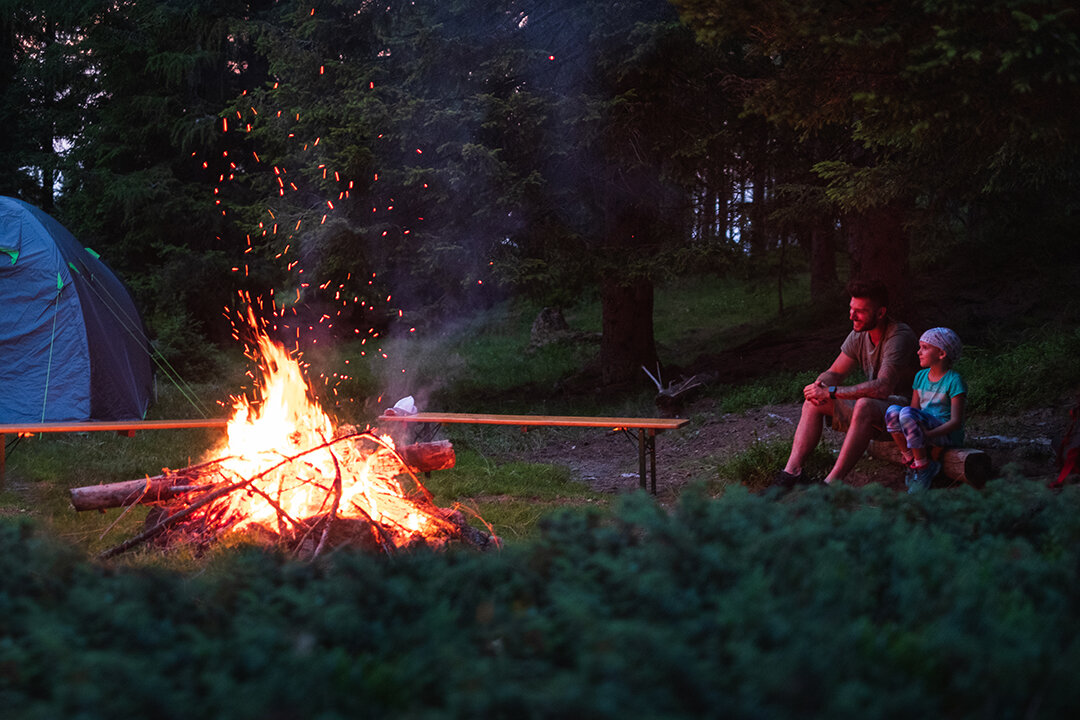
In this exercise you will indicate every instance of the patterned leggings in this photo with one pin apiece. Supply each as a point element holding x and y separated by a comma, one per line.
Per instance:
<point>912,422</point>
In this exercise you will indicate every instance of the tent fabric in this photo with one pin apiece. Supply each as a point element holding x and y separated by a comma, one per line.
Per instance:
<point>72,345</point>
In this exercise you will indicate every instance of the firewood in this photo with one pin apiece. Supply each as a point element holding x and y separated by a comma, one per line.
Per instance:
<point>968,465</point>
<point>203,517</point>
<point>428,456</point>
<point>150,490</point>
<point>420,457</point>
<point>219,491</point>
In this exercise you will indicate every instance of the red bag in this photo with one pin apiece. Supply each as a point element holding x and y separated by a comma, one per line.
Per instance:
<point>1068,454</point>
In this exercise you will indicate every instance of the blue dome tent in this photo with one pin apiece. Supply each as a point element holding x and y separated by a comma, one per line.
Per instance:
<point>72,345</point>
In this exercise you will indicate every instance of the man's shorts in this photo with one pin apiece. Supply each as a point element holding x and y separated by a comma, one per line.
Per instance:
<point>840,420</point>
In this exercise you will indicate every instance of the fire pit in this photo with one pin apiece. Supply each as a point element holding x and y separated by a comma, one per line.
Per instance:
<point>287,475</point>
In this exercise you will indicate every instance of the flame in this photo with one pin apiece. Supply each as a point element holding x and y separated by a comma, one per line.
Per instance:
<point>300,467</point>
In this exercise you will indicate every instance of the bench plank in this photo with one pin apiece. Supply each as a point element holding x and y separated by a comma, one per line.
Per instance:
<point>646,429</point>
<point>542,420</point>
<point>99,425</point>
<point>122,427</point>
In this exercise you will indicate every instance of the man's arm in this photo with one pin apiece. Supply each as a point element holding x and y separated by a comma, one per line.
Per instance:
<point>840,369</point>
<point>817,392</point>
<point>880,387</point>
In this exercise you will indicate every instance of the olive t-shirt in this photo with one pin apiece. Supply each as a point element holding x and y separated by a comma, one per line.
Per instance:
<point>896,350</point>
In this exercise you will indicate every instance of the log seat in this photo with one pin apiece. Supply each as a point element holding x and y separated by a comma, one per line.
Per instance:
<point>968,465</point>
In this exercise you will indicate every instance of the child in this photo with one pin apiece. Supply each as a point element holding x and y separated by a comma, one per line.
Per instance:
<point>936,415</point>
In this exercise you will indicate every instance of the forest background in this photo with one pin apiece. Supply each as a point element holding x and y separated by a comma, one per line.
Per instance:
<point>362,164</point>
<point>370,168</point>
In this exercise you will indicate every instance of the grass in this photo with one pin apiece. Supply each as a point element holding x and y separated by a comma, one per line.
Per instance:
<point>1034,371</point>
<point>695,313</point>
<point>766,391</point>
<point>755,467</point>
<point>699,313</point>
<point>511,497</point>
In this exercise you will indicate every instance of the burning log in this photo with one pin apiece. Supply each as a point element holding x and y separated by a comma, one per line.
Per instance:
<point>147,491</point>
<point>429,456</point>
<point>159,488</point>
<point>419,457</point>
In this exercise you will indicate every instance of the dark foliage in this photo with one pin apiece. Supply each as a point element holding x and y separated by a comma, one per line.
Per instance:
<point>840,603</point>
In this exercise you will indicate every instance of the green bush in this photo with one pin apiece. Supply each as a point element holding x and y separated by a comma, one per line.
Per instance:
<point>831,603</point>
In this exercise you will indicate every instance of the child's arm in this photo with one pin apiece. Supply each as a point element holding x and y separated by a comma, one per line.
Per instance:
<point>956,418</point>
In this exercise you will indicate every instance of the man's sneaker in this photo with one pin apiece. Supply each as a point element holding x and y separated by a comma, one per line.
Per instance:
<point>921,478</point>
<point>786,480</point>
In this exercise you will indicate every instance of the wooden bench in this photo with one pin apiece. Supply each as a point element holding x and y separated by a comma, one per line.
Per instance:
<point>121,427</point>
<point>646,428</point>
<point>968,465</point>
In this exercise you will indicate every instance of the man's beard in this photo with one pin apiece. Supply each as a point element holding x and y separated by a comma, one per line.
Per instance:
<point>872,323</point>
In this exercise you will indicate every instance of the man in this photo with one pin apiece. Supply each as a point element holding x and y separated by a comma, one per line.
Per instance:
<point>885,350</point>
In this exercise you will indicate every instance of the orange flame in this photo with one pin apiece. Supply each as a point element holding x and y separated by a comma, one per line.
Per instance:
<point>285,443</point>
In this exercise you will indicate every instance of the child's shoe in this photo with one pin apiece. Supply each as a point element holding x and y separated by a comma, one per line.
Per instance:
<point>921,478</point>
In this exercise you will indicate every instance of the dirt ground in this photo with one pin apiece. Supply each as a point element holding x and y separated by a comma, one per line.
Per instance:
<point>608,461</point>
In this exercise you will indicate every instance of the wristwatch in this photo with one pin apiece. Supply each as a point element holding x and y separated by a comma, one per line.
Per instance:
<point>832,392</point>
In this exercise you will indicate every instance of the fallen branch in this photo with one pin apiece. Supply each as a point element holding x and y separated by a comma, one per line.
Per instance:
<point>670,398</point>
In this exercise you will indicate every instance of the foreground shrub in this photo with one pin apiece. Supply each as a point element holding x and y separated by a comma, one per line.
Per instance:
<point>838,603</point>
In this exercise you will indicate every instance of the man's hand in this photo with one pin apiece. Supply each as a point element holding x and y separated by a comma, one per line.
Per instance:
<point>816,392</point>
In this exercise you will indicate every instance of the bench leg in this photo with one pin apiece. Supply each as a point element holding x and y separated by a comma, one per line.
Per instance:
<point>652,458</point>
<point>647,448</point>
<point>641,457</point>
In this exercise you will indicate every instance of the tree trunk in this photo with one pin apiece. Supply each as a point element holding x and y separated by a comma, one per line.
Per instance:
<point>758,211</point>
<point>823,278</point>
<point>878,245</point>
<point>627,330</point>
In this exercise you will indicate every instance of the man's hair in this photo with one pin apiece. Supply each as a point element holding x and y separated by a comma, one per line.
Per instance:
<point>873,290</point>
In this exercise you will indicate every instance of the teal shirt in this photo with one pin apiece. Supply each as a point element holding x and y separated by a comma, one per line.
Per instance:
<point>935,398</point>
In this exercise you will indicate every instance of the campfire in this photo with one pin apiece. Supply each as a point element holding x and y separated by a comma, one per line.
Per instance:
<point>287,475</point>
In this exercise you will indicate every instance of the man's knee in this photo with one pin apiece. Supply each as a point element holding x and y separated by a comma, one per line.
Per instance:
<point>810,408</point>
<point>868,412</point>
